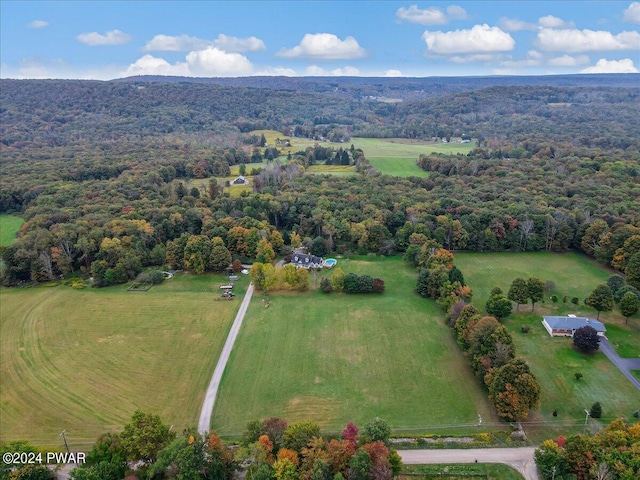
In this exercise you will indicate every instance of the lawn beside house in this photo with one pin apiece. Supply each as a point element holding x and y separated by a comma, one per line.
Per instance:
<point>335,358</point>
<point>553,360</point>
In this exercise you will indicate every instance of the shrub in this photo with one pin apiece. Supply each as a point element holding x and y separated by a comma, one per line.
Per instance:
<point>578,376</point>
<point>575,300</point>
<point>554,298</point>
<point>378,285</point>
<point>596,410</point>
<point>325,285</point>
<point>525,329</point>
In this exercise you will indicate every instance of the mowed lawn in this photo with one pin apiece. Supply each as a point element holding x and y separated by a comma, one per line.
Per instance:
<point>9,227</point>
<point>84,360</point>
<point>335,358</point>
<point>553,360</point>
<point>398,156</point>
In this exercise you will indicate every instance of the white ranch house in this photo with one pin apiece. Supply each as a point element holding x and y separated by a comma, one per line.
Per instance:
<point>567,326</point>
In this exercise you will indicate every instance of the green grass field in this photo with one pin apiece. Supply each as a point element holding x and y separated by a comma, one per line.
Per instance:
<point>9,227</point>
<point>84,360</point>
<point>553,360</point>
<point>398,156</point>
<point>338,358</point>
<point>460,471</point>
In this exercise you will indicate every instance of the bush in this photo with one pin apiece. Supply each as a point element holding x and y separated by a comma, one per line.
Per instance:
<point>554,298</point>
<point>362,284</point>
<point>154,277</point>
<point>578,376</point>
<point>575,300</point>
<point>325,285</point>
<point>596,410</point>
<point>525,329</point>
<point>378,285</point>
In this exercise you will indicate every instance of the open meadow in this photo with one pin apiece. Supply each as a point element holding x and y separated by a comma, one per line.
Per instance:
<point>398,156</point>
<point>553,360</point>
<point>335,358</point>
<point>9,227</point>
<point>84,360</point>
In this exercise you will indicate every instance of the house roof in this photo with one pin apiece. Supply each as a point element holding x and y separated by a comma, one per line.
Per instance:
<point>304,259</point>
<point>573,323</point>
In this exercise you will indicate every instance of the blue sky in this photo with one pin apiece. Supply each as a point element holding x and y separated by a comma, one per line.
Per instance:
<point>110,39</point>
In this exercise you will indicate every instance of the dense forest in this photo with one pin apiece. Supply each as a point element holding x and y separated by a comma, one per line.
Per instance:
<point>98,171</point>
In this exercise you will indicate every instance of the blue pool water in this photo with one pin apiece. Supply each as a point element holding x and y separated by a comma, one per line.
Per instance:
<point>330,262</point>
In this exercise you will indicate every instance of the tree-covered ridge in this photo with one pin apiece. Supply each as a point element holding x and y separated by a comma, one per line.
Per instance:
<point>89,162</point>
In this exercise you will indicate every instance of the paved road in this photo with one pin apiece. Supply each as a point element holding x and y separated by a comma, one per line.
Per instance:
<point>625,365</point>
<point>519,458</point>
<point>204,424</point>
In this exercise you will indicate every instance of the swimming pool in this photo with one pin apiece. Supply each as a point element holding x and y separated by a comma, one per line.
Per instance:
<point>330,262</point>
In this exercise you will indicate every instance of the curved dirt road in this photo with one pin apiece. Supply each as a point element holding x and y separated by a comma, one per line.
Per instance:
<point>204,424</point>
<point>519,458</point>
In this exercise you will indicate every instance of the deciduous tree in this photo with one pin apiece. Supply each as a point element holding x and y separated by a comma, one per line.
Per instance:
<point>586,339</point>
<point>519,292</point>
<point>601,299</point>
<point>535,287</point>
<point>629,305</point>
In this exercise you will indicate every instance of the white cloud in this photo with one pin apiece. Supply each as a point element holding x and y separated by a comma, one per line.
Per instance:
<point>276,72</point>
<point>186,43</point>
<point>612,66</point>
<point>574,41</point>
<point>569,61</point>
<point>632,13</point>
<point>150,65</point>
<point>324,46</point>
<point>347,71</point>
<point>215,62</point>
<point>177,43</point>
<point>549,21</point>
<point>114,37</point>
<point>514,25</point>
<point>316,71</point>
<point>392,73</point>
<point>431,15</point>
<point>475,58</point>
<point>38,24</point>
<point>480,39</point>
<point>238,45</point>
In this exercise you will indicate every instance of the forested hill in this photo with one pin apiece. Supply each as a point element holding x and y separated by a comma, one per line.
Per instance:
<point>67,112</point>
<point>404,88</point>
<point>117,176</point>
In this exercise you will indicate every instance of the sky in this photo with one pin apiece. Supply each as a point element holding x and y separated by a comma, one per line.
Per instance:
<point>111,39</point>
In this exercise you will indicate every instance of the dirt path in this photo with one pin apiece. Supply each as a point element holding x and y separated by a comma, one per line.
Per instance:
<point>204,424</point>
<point>519,458</point>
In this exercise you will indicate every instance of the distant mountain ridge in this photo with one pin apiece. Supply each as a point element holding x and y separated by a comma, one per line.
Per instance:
<point>404,88</point>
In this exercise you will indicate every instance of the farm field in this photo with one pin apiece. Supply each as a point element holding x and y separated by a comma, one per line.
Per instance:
<point>335,358</point>
<point>398,156</point>
<point>84,360</point>
<point>553,360</point>
<point>9,227</point>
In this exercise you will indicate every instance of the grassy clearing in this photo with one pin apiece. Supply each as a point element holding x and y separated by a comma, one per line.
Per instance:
<point>398,156</point>
<point>339,170</point>
<point>553,360</point>
<point>84,361</point>
<point>338,358</point>
<point>9,227</point>
<point>460,471</point>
